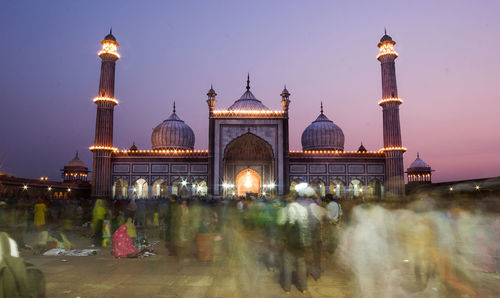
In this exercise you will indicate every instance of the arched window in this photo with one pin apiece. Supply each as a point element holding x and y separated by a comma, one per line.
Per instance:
<point>140,188</point>
<point>160,188</point>
<point>200,188</point>
<point>375,189</point>
<point>180,188</point>
<point>120,189</point>
<point>355,189</point>
<point>337,188</point>
<point>319,187</point>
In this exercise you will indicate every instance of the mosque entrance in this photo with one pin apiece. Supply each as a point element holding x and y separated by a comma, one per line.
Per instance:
<point>247,181</point>
<point>248,167</point>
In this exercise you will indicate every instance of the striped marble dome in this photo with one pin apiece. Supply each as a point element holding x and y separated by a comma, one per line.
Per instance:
<point>248,101</point>
<point>322,134</point>
<point>172,133</point>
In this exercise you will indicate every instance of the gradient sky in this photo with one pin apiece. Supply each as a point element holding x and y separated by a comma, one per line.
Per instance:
<point>448,73</point>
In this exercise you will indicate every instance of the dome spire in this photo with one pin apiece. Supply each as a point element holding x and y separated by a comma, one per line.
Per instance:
<point>285,93</point>
<point>248,82</point>
<point>173,110</point>
<point>361,148</point>
<point>211,92</point>
<point>418,155</point>
<point>321,107</point>
<point>76,155</point>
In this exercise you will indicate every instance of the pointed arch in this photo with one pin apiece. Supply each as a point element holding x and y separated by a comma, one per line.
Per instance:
<point>248,147</point>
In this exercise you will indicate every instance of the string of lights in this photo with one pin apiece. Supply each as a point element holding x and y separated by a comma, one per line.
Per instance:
<point>393,149</point>
<point>91,148</point>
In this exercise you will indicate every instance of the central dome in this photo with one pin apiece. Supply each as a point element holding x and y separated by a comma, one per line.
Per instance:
<point>322,134</point>
<point>248,101</point>
<point>172,133</point>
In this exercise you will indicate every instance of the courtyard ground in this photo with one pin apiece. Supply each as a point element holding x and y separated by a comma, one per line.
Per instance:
<point>241,275</point>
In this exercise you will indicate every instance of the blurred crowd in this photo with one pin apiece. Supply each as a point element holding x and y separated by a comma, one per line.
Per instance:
<point>390,250</point>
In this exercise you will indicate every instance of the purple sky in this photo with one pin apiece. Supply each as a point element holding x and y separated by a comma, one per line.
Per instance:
<point>448,73</point>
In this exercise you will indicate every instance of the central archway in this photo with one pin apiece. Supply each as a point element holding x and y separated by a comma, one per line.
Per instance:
<point>247,159</point>
<point>247,181</point>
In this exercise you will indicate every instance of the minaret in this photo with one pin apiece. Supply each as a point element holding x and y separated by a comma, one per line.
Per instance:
<point>285,102</point>
<point>103,142</point>
<point>211,101</point>
<point>394,169</point>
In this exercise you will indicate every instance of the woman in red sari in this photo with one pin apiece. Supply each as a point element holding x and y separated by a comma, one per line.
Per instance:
<point>122,244</point>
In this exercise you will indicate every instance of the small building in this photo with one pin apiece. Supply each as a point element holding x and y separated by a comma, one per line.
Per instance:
<point>74,184</point>
<point>75,170</point>
<point>419,172</point>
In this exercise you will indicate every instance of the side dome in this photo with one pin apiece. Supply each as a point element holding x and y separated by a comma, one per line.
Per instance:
<point>322,134</point>
<point>172,133</point>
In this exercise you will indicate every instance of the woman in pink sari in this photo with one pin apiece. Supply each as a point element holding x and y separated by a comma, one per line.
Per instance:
<point>122,244</point>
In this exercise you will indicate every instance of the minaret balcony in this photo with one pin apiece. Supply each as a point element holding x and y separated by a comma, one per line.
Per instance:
<point>393,149</point>
<point>391,100</point>
<point>387,49</point>
<point>105,99</point>
<point>108,148</point>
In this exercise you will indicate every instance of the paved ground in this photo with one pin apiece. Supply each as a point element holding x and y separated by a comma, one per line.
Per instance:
<point>240,275</point>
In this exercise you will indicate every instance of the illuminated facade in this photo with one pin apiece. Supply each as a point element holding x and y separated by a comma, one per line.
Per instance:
<point>248,151</point>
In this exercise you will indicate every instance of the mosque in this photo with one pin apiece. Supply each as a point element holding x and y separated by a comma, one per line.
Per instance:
<point>248,152</point>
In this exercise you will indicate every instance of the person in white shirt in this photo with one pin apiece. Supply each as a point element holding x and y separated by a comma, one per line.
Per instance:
<point>334,214</point>
<point>295,225</point>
